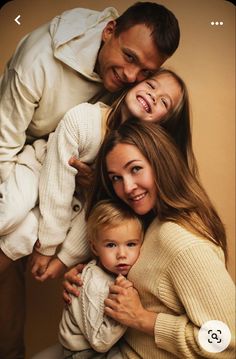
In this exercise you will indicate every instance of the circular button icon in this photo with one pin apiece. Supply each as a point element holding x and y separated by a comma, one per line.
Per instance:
<point>214,336</point>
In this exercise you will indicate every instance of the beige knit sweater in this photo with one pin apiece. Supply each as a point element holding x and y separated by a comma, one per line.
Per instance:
<point>184,280</point>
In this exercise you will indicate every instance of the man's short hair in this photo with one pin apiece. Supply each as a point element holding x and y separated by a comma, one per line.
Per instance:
<point>161,21</point>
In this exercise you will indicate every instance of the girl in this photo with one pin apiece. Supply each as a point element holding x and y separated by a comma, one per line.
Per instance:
<point>180,277</point>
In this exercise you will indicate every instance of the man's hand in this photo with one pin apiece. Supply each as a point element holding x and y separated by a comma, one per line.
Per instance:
<point>71,281</point>
<point>39,263</point>
<point>84,175</point>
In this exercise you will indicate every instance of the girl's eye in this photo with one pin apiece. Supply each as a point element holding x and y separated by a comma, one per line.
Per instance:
<point>165,103</point>
<point>149,83</point>
<point>136,169</point>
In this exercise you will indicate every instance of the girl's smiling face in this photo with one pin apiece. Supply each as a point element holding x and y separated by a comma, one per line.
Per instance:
<point>132,177</point>
<point>152,99</point>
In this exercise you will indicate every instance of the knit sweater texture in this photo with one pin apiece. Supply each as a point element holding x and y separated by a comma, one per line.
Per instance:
<point>79,134</point>
<point>183,279</point>
<point>84,324</point>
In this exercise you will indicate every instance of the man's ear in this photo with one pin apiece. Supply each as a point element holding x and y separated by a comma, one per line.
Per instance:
<point>109,30</point>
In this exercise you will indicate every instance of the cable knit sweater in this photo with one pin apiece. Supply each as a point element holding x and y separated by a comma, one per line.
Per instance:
<point>79,134</point>
<point>183,279</point>
<point>84,324</point>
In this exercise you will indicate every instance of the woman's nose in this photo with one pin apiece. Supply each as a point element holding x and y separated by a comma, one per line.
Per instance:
<point>129,185</point>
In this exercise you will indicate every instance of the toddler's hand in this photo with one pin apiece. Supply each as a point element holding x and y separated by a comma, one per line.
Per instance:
<point>123,282</point>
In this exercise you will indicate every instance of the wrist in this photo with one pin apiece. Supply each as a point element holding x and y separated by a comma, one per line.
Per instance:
<point>146,322</point>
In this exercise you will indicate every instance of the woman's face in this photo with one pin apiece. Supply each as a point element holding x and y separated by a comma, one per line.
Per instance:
<point>132,177</point>
<point>152,99</point>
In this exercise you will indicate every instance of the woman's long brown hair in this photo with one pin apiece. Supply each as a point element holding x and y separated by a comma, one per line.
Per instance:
<point>181,197</point>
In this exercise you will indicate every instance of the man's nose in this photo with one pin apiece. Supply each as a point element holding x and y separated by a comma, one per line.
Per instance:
<point>131,73</point>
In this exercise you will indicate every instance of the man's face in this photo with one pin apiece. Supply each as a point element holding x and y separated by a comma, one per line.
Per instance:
<point>128,58</point>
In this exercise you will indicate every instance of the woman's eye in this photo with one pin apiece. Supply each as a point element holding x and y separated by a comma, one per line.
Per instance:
<point>114,178</point>
<point>136,169</point>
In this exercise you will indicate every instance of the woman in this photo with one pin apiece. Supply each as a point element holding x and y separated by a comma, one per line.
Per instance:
<point>180,278</point>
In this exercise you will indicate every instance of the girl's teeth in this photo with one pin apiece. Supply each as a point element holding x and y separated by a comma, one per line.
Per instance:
<point>144,104</point>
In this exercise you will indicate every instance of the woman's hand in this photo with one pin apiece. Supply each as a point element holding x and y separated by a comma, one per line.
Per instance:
<point>123,304</point>
<point>71,282</point>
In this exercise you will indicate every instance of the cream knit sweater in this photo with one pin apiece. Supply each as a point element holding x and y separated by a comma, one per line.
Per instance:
<point>79,134</point>
<point>83,324</point>
<point>184,280</point>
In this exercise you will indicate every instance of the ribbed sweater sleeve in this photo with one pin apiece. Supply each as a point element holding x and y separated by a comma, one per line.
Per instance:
<point>75,248</point>
<point>78,134</point>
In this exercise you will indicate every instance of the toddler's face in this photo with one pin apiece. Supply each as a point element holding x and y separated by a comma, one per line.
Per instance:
<point>118,247</point>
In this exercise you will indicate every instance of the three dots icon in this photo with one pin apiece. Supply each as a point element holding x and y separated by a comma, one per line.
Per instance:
<point>217,23</point>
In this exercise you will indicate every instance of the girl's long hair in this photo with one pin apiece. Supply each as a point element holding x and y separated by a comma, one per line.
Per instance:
<point>181,197</point>
<point>176,123</point>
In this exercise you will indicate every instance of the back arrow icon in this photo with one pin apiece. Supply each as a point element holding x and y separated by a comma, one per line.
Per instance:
<point>16,20</point>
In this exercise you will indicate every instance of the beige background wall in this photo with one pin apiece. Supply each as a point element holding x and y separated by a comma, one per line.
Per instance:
<point>206,61</point>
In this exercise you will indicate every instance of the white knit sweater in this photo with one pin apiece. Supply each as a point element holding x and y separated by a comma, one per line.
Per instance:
<point>84,324</point>
<point>79,134</point>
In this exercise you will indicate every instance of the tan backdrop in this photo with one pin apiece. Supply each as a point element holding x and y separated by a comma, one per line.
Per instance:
<point>205,60</point>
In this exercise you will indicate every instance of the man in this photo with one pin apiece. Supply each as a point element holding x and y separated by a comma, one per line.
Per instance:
<point>63,63</point>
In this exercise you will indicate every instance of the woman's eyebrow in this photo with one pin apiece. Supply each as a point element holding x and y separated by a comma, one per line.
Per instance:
<point>125,166</point>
